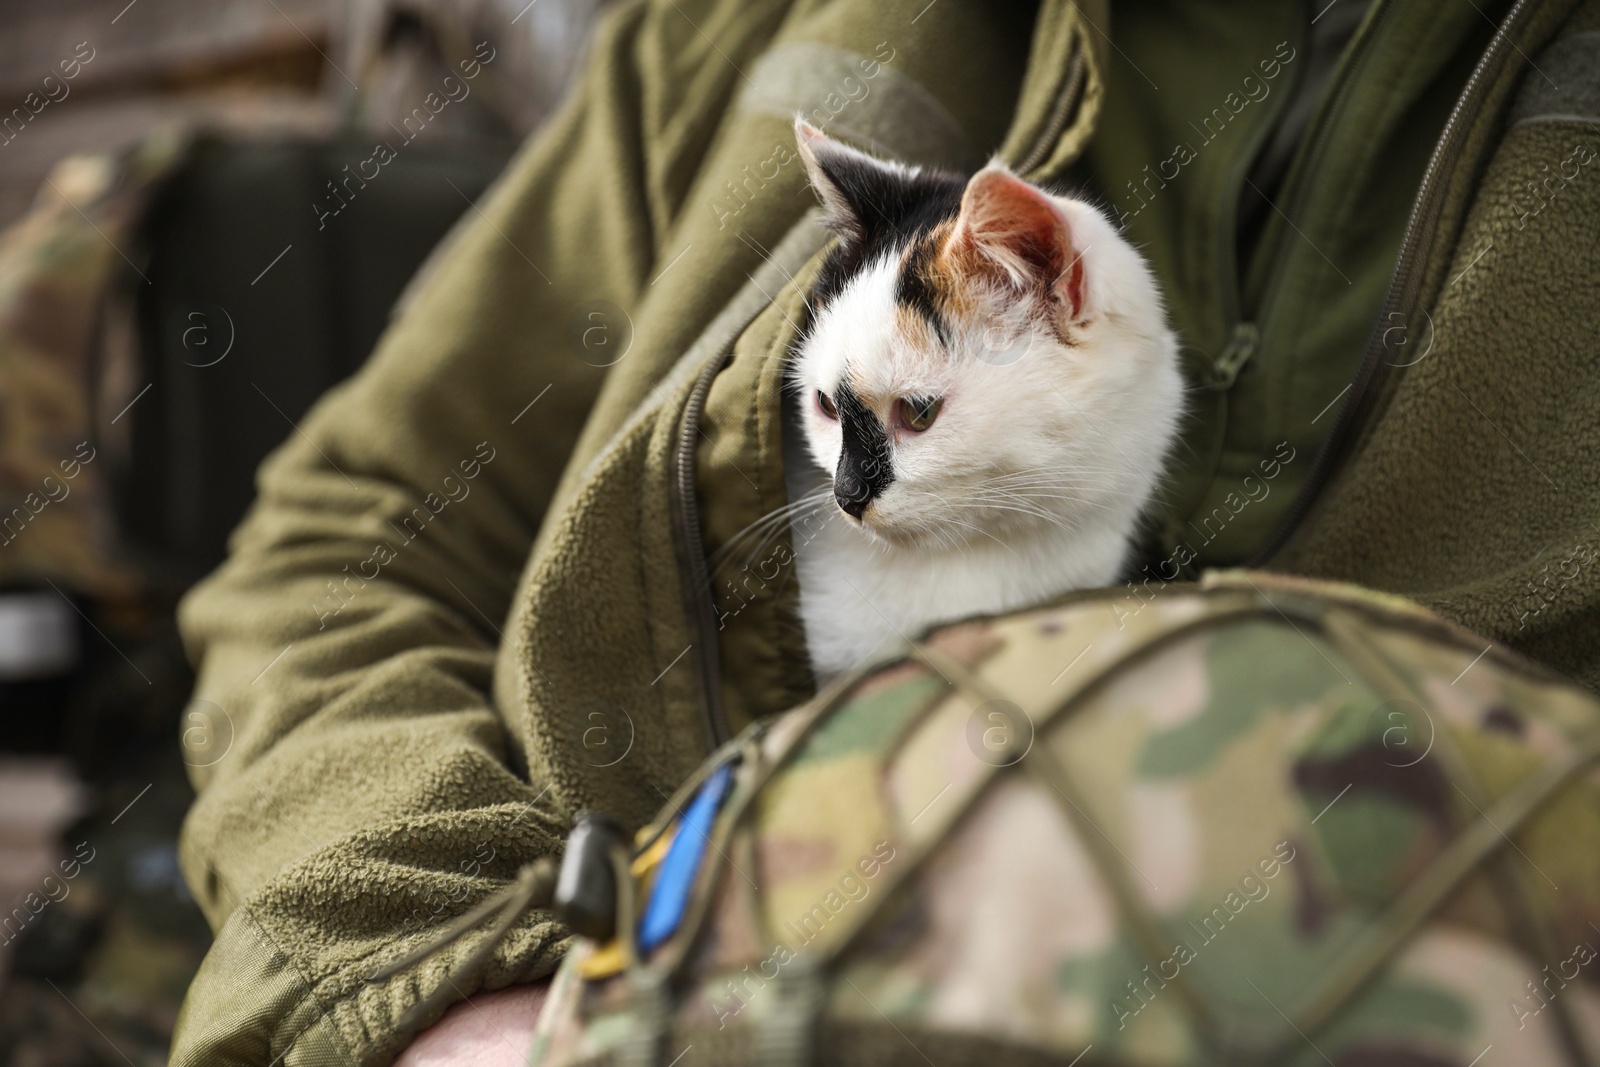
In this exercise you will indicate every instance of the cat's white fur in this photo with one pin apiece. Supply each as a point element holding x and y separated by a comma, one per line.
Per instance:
<point>1079,434</point>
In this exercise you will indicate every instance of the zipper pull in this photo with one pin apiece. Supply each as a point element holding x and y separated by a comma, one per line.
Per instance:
<point>1236,353</point>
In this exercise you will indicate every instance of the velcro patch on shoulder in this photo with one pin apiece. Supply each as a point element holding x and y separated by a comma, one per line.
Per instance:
<point>860,99</point>
<point>1562,83</point>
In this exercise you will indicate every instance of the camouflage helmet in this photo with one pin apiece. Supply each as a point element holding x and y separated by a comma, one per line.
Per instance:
<point>1253,820</point>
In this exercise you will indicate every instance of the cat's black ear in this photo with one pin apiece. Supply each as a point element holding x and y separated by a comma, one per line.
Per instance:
<point>858,193</point>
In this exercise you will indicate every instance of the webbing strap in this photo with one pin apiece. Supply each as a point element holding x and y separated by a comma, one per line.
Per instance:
<point>1113,868</point>
<point>1476,843</point>
<point>1473,846</point>
<point>1443,877</point>
<point>959,676</point>
<point>1515,894</point>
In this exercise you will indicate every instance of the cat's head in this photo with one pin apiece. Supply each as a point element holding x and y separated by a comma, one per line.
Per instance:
<point>982,357</point>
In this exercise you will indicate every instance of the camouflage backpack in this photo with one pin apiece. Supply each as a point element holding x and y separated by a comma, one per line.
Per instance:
<point>61,395</point>
<point>1256,820</point>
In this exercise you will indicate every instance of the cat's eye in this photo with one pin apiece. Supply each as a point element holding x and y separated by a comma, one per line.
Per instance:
<point>918,412</point>
<point>825,402</point>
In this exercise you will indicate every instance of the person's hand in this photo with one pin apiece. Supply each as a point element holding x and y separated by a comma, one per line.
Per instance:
<point>487,1030</point>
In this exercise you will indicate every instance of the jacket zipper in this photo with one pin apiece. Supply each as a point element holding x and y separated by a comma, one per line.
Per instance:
<point>1405,283</point>
<point>1317,141</point>
<point>1245,334</point>
<point>1066,107</point>
<point>1217,376</point>
<point>700,598</point>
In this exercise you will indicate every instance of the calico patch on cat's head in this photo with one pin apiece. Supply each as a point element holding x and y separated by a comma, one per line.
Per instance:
<point>981,355</point>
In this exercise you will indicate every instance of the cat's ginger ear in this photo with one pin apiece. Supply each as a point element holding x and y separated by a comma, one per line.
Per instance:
<point>854,188</point>
<point>1014,229</point>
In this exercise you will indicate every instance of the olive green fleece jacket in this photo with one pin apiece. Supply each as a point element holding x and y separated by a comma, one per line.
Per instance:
<point>474,597</point>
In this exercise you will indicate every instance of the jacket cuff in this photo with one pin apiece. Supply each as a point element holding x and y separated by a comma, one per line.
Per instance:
<point>252,1005</point>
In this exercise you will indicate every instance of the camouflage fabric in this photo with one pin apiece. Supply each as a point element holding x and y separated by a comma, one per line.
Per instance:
<point>60,400</point>
<point>1254,820</point>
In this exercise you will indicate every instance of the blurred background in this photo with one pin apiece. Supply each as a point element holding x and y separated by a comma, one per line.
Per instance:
<point>161,162</point>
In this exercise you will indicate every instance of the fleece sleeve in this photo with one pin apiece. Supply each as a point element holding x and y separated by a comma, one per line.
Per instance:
<point>365,793</point>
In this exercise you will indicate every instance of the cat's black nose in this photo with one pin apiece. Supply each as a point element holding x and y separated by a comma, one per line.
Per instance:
<point>864,470</point>
<point>852,493</point>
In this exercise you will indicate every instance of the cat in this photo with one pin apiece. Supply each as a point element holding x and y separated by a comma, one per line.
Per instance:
<point>981,402</point>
